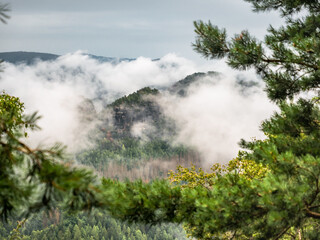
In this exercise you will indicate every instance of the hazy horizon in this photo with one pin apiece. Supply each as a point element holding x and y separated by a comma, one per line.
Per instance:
<point>123,29</point>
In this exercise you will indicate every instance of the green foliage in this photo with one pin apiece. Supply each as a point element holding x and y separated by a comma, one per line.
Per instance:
<point>291,63</point>
<point>211,42</point>
<point>33,178</point>
<point>150,203</point>
<point>135,98</point>
<point>192,177</point>
<point>16,234</point>
<point>128,152</point>
<point>287,7</point>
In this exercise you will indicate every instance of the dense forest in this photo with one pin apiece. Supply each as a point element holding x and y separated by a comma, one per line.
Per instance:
<point>96,225</point>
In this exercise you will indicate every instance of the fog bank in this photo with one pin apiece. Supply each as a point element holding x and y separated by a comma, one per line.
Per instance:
<point>213,117</point>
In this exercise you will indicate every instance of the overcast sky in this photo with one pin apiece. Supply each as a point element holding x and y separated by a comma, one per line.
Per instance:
<point>123,28</point>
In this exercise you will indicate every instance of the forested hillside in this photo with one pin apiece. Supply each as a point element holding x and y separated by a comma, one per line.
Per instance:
<point>93,226</point>
<point>132,140</point>
<point>136,139</point>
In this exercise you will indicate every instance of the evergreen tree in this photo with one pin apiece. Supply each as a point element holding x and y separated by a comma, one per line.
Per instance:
<point>95,232</point>
<point>283,201</point>
<point>31,179</point>
<point>67,234</point>
<point>104,232</point>
<point>76,233</point>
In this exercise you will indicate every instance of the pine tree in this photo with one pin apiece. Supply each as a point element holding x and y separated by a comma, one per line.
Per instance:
<point>284,200</point>
<point>95,232</point>
<point>67,233</point>
<point>104,232</point>
<point>31,179</point>
<point>76,233</point>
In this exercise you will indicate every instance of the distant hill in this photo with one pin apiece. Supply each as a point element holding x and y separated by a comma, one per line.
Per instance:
<point>109,59</point>
<point>181,86</point>
<point>134,139</point>
<point>30,58</point>
<point>26,57</point>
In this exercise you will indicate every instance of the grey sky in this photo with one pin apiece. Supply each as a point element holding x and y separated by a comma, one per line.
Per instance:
<point>122,28</point>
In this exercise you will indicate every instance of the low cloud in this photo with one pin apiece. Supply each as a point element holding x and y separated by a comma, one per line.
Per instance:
<point>142,130</point>
<point>56,88</point>
<point>216,114</point>
<point>213,117</point>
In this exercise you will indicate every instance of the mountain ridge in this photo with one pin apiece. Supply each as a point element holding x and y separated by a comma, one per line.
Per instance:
<point>30,58</point>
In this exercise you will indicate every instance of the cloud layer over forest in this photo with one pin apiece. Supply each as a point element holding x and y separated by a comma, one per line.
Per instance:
<point>217,113</point>
<point>214,116</point>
